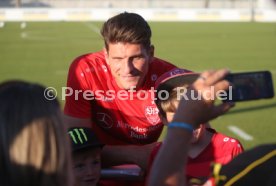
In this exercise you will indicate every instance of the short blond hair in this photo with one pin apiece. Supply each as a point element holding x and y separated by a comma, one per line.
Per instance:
<point>169,105</point>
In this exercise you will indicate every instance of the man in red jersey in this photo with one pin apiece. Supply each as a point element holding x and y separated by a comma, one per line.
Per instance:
<point>115,86</point>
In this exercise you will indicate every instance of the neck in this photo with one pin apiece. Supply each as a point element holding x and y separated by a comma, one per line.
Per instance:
<point>200,145</point>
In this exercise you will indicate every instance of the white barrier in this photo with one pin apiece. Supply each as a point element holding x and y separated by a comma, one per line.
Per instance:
<point>223,15</point>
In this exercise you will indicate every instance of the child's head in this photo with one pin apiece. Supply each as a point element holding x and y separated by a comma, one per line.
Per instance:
<point>167,107</point>
<point>33,145</point>
<point>174,82</point>
<point>86,156</point>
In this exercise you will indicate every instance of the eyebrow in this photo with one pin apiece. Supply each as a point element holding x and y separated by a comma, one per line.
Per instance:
<point>134,56</point>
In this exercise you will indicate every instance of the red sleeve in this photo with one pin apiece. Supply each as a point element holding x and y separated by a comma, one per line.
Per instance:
<point>77,83</point>
<point>237,149</point>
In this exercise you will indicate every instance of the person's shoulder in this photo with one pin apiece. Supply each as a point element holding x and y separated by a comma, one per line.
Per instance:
<point>159,66</point>
<point>90,59</point>
<point>89,66</point>
<point>264,149</point>
<point>224,139</point>
<point>257,165</point>
<point>157,61</point>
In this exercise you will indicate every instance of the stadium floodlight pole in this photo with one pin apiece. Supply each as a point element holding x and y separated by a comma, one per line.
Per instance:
<point>252,10</point>
<point>18,3</point>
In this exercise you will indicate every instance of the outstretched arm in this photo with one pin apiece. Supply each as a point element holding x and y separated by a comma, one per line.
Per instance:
<point>169,165</point>
<point>127,154</point>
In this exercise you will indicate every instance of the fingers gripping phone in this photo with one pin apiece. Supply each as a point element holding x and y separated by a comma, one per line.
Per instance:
<point>249,86</point>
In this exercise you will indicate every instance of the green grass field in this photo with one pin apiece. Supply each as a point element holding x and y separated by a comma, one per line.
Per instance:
<point>42,52</point>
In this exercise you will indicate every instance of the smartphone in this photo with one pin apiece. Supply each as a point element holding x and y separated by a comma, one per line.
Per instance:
<point>249,86</point>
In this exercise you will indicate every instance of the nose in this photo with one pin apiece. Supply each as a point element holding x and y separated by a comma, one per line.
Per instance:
<point>92,170</point>
<point>128,66</point>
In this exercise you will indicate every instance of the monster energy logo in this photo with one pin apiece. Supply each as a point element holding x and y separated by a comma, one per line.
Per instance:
<point>81,136</point>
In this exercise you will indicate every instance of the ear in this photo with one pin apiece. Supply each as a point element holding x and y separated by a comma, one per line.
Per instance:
<point>106,55</point>
<point>163,119</point>
<point>151,50</point>
<point>151,53</point>
<point>202,127</point>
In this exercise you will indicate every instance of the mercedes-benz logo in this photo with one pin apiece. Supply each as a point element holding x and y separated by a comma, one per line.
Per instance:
<point>104,120</point>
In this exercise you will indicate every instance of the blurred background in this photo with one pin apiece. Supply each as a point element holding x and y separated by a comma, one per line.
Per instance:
<point>40,38</point>
<point>138,3</point>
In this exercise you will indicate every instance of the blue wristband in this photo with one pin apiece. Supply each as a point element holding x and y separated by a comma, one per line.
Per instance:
<point>182,125</point>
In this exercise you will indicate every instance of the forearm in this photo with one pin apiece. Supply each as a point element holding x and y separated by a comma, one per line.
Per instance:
<point>76,122</point>
<point>116,155</point>
<point>169,168</point>
<point>169,165</point>
<point>127,154</point>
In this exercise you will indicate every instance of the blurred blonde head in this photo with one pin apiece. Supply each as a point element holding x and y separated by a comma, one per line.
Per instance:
<point>34,148</point>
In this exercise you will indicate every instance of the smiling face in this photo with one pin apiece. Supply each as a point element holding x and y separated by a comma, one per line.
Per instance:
<point>87,167</point>
<point>129,63</point>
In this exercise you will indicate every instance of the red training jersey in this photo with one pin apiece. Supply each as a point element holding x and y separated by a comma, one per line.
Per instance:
<point>221,149</point>
<point>118,116</point>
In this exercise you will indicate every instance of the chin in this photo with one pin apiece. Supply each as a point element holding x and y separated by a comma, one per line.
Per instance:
<point>193,141</point>
<point>130,86</point>
<point>127,83</point>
